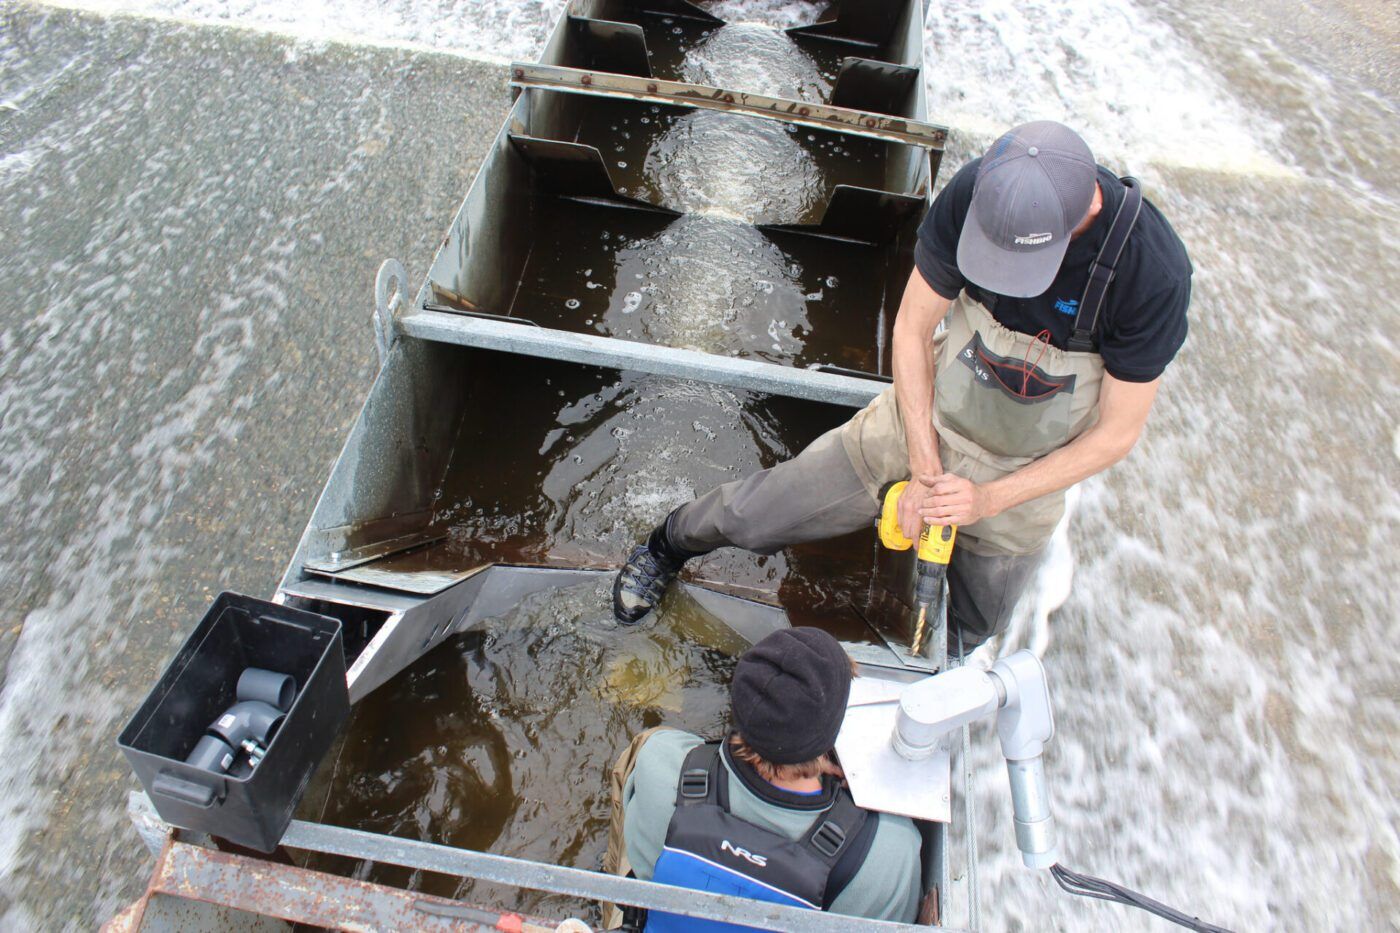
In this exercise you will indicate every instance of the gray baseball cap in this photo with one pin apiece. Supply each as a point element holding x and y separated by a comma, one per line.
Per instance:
<point>1034,186</point>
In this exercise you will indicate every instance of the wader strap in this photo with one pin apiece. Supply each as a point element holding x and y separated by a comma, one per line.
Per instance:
<point>1105,264</point>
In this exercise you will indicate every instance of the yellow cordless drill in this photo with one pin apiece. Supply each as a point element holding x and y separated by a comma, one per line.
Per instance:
<point>935,550</point>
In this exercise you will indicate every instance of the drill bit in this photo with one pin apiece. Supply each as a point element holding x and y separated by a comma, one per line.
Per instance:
<point>920,629</point>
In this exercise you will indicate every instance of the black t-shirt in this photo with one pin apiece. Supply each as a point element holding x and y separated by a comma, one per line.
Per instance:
<point>1143,321</point>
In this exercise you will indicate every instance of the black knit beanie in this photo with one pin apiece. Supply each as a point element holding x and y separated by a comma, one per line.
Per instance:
<point>789,695</point>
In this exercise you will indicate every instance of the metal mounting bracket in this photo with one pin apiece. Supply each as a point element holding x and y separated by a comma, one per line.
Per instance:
<point>390,298</point>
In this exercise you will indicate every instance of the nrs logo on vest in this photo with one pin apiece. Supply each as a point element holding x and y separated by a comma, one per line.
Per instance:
<point>759,860</point>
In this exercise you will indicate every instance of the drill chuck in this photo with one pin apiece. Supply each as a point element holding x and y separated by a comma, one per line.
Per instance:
<point>928,584</point>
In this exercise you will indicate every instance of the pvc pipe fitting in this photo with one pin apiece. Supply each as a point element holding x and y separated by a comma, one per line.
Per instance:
<point>251,719</point>
<point>212,754</point>
<point>270,687</point>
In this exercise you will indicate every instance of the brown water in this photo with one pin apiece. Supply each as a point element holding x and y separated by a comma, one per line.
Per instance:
<point>707,161</point>
<point>578,463</point>
<point>709,284</point>
<point>501,740</point>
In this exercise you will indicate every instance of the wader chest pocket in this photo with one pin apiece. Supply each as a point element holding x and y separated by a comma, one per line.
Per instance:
<point>1005,404</point>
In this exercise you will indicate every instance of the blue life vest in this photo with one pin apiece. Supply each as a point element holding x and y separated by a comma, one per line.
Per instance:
<point>709,849</point>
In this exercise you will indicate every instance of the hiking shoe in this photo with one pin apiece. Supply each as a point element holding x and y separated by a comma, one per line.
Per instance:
<point>641,582</point>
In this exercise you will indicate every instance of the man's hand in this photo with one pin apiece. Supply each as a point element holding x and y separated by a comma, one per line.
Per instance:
<point>956,501</point>
<point>917,496</point>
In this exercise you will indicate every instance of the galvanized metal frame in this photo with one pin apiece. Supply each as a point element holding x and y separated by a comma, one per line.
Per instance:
<point>678,93</point>
<point>613,353</point>
<point>485,866</point>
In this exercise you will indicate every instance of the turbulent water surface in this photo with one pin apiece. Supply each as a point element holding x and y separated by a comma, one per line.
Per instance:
<point>190,215</point>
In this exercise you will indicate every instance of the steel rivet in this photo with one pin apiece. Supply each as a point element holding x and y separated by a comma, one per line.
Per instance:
<point>651,88</point>
<point>586,80</point>
<point>803,111</point>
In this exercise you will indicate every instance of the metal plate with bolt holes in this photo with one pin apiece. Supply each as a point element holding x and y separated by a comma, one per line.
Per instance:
<point>880,779</point>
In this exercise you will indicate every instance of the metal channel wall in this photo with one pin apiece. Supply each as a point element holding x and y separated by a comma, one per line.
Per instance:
<point>373,503</point>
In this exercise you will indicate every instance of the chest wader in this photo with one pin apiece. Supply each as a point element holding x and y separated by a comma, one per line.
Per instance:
<point>1002,399</point>
<point>709,849</point>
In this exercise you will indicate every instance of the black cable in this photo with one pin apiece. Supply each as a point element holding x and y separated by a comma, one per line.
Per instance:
<point>1089,886</point>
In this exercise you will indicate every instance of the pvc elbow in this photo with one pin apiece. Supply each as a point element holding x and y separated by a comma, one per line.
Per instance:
<point>251,719</point>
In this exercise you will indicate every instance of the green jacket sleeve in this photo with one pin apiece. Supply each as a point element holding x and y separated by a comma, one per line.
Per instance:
<point>649,797</point>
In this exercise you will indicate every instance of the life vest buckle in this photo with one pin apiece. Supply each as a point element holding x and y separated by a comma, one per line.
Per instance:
<point>695,783</point>
<point>829,838</point>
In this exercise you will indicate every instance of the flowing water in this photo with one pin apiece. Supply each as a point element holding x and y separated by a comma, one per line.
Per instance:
<point>1222,667</point>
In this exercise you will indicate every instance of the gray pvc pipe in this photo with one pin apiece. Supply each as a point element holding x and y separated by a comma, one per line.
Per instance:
<point>212,754</point>
<point>270,687</point>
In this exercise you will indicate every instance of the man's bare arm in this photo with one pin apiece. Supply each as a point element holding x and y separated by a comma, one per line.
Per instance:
<point>1123,410</point>
<point>920,311</point>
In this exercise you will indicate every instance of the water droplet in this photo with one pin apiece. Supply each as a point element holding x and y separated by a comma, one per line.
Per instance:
<point>631,302</point>
<point>572,304</point>
<point>831,281</point>
<point>622,165</point>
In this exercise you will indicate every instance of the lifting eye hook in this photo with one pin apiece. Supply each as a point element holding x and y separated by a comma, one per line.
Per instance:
<point>390,298</point>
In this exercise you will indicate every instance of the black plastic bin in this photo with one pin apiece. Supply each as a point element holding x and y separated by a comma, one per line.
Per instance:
<point>239,632</point>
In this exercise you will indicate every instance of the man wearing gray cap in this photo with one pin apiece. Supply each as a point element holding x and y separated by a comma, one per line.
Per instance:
<point>1063,293</point>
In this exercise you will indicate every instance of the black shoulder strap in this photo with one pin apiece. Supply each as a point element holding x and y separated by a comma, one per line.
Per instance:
<point>851,859</point>
<point>831,836</point>
<point>703,779</point>
<point>1102,270</point>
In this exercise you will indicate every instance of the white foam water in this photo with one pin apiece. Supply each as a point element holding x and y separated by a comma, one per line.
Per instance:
<point>496,29</point>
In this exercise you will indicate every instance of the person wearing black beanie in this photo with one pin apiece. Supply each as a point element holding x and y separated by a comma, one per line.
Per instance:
<point>770,782</point>
<point>789,695</point>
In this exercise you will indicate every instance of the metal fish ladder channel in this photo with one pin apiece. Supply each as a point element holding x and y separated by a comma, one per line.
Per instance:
<point>527,334</point>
